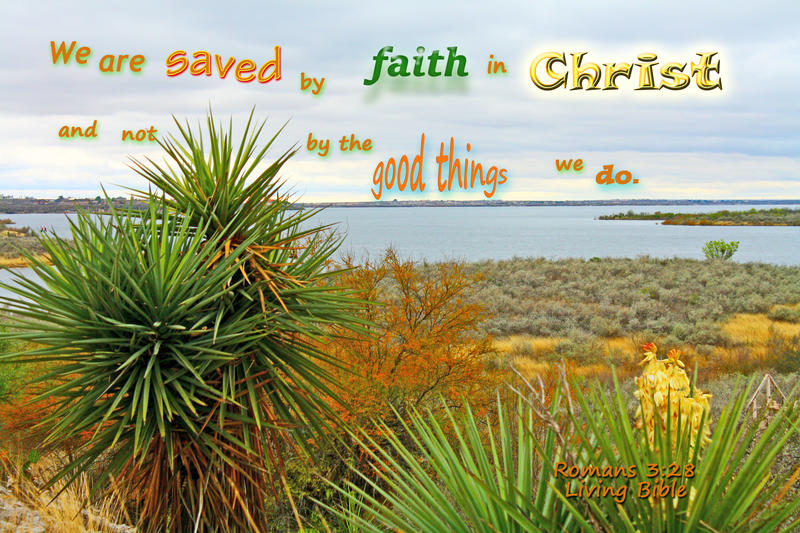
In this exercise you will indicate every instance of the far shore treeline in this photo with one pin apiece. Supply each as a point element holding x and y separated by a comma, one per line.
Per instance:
<point>752,217</point>
<point>11,205</point>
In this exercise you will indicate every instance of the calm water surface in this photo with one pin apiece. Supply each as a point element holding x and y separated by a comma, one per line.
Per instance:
<point>475,233</point>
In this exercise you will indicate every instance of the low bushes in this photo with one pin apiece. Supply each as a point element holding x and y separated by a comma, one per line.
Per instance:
<point>683,297</point>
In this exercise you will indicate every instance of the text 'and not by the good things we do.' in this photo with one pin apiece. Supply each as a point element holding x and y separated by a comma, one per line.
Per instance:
<point>454,162</point>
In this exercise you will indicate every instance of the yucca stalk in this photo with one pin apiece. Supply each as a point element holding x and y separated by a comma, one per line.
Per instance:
<point>182,338</point>
<point>732,487</point>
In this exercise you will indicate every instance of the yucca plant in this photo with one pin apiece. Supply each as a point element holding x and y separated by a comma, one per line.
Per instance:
<point>729,483</point>
<point>438,483</point>
<point>182,338</point>
<point>224,183</point>
<point>462,475</point>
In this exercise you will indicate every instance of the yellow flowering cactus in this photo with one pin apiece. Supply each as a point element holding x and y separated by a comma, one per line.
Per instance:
<point>664,388</point>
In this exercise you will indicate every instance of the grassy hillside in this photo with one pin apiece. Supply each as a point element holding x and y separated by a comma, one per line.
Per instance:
<point>683,298</point>
<point>595,312</point>
<point>729,318</point>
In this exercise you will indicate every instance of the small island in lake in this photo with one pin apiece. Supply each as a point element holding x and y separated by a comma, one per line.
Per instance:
<point>752,217</point>
<point>12,239</point>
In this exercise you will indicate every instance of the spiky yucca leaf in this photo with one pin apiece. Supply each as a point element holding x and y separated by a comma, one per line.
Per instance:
<point>129,317</point>
<point>229,184</point>
<point>120,308</point>
<point>466,475</point>
<point>182,338</point>
<point>207,176</point>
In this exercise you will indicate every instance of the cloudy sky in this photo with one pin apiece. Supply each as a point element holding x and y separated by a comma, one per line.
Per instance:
<point>741,142</point>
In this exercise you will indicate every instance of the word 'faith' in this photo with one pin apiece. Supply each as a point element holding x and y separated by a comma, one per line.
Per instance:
<point>399,64</point>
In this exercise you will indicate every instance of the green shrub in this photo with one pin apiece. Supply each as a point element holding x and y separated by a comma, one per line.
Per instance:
<point>720,249</point>
<point>10,246</point>
<point>707,332</point>
<point>604,327</point>
<point>783,351</point>
<point>7,378</point>
<point>10,374</point>
<point>784,313</point>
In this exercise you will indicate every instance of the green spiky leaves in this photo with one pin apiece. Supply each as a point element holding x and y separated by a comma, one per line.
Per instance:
<point>469,476</point>
<point>181,341</point>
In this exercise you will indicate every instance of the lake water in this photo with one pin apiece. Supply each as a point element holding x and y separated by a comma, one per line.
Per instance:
<point>474,233</point>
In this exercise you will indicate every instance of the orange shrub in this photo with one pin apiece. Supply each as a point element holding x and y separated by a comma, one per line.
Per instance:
<point>425,343</point>
<point>19,417</point>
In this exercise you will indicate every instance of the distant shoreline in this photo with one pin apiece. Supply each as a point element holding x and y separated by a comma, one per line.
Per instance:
<point>14,206</point>
<point>762,217</point>
<point>541,203</point>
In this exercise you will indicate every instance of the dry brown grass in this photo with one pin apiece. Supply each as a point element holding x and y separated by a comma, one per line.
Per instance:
<point>526,345</point>
<point>754,329</point>
<point>751,335</point>
<point>20,262</point>
<point>67,512</point>
<point>529,368</point>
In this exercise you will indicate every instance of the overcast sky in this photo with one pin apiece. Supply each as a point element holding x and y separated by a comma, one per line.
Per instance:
<point>741,142</point>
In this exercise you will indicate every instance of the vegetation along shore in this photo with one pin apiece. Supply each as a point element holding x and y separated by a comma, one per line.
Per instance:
<point>752,217</point>
<point>12,240</point>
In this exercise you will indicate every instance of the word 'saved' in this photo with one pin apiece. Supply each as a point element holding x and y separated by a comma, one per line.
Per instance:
<point>674,76</point>
<point>244,70</point>
<point>399,64</point>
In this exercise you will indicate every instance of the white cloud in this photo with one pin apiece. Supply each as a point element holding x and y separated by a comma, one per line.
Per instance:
<point>740,143</point>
